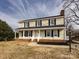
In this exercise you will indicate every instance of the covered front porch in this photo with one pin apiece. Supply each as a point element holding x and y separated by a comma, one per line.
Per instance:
<point>42,34</point>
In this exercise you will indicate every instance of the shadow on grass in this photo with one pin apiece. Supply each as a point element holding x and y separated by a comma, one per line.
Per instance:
<point>53,43</point>
<point>7,40</point>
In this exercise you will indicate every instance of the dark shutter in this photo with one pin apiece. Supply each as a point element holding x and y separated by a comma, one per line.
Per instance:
<point>58,33</point>
<point>31,33</point>
<point>40,22</point>
<point>22,33</point>
<point>54,21</point>
<point>49,22</point>
<point>28,24</point>
<point>45,33</point>
<point>36,23</point>
<point>52,33</point>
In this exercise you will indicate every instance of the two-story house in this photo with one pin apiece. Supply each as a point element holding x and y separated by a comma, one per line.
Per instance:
<point>46,29</point>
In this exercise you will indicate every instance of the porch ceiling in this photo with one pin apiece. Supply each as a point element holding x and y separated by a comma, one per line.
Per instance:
<point>42,28</point>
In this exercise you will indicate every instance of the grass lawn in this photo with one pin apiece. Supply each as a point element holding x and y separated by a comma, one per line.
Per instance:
<point>21,50</point>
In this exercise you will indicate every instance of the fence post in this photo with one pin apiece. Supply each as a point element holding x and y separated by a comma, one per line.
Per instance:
<point>70,40</point>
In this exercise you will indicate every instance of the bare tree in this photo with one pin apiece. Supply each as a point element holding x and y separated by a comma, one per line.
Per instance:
<point>71,8</point>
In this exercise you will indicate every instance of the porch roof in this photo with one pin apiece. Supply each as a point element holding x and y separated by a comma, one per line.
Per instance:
<point>18,29</point>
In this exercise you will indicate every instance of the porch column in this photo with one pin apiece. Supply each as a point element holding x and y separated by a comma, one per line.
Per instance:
<point>65,34</point>
<point>33,35</point>
<point>38,36</point>
<point>23,34</point>
<point>20,34</point>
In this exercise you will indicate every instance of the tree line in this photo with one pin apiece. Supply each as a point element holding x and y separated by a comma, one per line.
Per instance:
<point>6,32</point>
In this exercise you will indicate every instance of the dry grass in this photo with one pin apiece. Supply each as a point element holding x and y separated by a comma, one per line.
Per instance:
<point>21,50</point>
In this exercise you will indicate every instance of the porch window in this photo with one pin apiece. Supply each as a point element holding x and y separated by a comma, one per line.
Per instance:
<point>47,33</point>
<point>36,33</point>
<point>55,33</point>
<point>26,33</point>
<point>42,33</point>
<point>30,33</point>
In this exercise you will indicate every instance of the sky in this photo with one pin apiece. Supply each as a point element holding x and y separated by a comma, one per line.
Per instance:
<point>12,11</point>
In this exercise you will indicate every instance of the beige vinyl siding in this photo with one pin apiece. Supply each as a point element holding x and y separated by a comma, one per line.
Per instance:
<point>21,25</point>
<point>61,33</point>
<point>32,24</point>
<point>59,21</point>
<point>45,23</point>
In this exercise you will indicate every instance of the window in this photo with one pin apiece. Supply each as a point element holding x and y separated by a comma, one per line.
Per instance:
<point>52,22</point>
<point>60,21</point>
<point>55,33</point>
<point>47,33</point>
<point>36,34</point>
<point>32,24</point>
<point>26,33</point>
<point>38,23</point>
<point>21,25</point>
<point>45,22</point>
<point>26,24</point>
<point>42,33</point>
<point>30,33</point>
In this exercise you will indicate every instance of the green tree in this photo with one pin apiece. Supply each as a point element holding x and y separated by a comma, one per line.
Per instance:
<point>6,31</point>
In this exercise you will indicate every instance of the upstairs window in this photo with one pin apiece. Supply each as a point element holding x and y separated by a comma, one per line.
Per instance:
<point>52,22</point>
<point>32,24</point>
<point>45,22</point>
<point>26,24</point>
<point>21,25</point>
<point>60,21</point>
<point>38,23</point>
